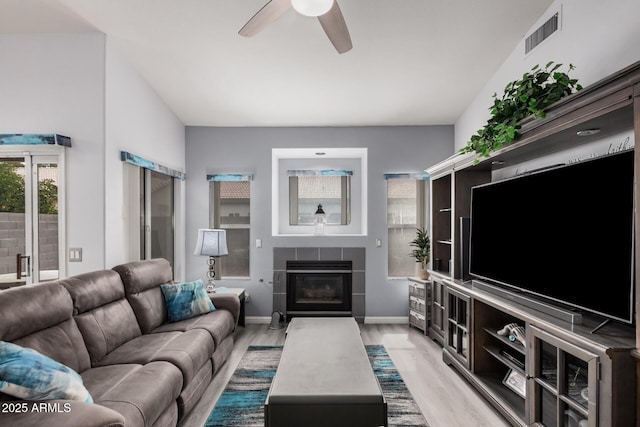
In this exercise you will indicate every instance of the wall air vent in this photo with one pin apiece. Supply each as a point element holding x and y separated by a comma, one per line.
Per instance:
<point>544,31</point>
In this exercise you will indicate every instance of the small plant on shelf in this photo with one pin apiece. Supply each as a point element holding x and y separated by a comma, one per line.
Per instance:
<point>422,245</point>
<point>527,97</point>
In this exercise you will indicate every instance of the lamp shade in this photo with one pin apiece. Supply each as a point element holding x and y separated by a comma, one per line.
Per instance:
<point>211,242</point>
<point>312,7</point>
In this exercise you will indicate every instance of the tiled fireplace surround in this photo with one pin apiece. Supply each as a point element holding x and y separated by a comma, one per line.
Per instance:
<point>355,255</point>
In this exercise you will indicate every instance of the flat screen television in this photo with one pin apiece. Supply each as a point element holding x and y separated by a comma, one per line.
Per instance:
<point>564,235</point>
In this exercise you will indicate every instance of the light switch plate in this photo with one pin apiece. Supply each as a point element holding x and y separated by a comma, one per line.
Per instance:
<point>75,254</point>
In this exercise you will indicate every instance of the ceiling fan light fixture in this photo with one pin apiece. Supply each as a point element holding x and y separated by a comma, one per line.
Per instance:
<point>312,7</point>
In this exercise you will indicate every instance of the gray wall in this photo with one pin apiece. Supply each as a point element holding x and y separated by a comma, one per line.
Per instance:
<point>248,150</point>
<point>78,85</point>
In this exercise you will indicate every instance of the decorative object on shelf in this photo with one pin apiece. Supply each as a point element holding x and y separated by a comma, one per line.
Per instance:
<point>422,243</point>
<point>527,97</point>
<point>506,329</point>
<point>320,221</point>
<point>211,243</point>
<point>513,332</point>
<point>516,382</point>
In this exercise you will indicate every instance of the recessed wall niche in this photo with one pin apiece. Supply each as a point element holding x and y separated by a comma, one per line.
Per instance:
<point>287,159</point>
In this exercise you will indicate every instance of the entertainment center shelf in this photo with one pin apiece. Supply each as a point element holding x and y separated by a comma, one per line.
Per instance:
<point>599,365</point>
<point>564,375</point>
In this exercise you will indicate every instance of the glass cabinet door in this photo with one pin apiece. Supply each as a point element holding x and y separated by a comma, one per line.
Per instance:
<point>457,336</point>
<point>437,323</point>
<point>564,386</point>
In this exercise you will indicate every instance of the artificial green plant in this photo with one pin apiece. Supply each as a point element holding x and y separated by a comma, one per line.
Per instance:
<point>527,97</point>
<point>422,243</point>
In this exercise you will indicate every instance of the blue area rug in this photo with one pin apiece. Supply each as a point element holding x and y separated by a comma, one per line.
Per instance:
<point>242,401</point>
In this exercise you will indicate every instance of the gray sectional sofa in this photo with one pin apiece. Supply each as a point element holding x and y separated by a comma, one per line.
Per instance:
<point>111,327</point>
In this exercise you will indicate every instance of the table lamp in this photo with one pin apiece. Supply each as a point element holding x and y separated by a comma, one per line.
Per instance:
<point>211,243</point>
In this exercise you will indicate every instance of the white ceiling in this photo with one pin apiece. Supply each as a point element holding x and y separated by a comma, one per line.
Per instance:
<point>413,62</point>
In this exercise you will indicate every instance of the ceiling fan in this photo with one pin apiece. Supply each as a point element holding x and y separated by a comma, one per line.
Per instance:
<point>327,11</point>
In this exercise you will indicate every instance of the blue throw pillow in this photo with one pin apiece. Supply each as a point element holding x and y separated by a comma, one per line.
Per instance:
<point>186,300</point>
<point>30,375</point>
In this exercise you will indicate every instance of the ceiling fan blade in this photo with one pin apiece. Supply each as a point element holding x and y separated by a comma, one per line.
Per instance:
<point>334,25</point>
<point>269,13</point>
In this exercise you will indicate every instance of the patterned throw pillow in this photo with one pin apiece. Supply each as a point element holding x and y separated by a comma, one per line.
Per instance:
<point>30,375</point>
<point>186,300</point>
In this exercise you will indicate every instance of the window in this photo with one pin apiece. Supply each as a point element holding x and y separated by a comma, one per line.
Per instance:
<point>230,210</point>
<point>307,191</point>
<point>405,213</point>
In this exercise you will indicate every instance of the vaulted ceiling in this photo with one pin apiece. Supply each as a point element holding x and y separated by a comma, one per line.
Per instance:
<point>413,62</point>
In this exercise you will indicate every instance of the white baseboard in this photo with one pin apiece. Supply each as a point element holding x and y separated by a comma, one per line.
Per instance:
<point>403,320</point>
<point>258,320</point>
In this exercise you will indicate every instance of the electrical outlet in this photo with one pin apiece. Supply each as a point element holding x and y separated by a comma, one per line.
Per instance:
<point>258,243</point>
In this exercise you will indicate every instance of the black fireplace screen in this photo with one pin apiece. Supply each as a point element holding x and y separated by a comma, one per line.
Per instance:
<point>316,287</point>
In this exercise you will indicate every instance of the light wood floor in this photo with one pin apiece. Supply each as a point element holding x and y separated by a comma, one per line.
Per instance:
<point>445,398</point>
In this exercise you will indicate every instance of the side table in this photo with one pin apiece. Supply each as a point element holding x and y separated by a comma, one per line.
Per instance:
<point>241,296</point>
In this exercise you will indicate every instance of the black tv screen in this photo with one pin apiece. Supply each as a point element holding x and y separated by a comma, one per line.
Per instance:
<point>564,234</point>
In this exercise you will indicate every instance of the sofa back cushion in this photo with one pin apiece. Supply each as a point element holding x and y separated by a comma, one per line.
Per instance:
<point>40,317</point>
<point>142,280</point>
<point>103,314</point>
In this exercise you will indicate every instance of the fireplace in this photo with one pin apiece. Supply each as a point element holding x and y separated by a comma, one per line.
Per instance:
<point>319,288</point>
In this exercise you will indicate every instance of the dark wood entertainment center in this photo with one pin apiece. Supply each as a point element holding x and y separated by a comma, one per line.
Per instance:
<point>564,374</point>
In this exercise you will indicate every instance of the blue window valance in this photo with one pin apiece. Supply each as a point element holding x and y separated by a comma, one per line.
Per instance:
<point>420,176</point>
<point>320,172</point>
<point>148,164</point>
<point>230,177</point>
<point>34,139</point>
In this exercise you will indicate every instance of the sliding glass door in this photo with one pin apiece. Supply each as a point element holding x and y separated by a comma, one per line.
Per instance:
<point>157,216</point>
<point>30,219</point>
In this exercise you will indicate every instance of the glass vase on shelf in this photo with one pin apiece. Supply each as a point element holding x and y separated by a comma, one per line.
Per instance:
<point>320,222</point>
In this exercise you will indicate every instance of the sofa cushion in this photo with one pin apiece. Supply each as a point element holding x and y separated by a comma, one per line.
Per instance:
<point>188,351</point>
<point>142,281</point>
<point>40,317</point>
<point>63,343</point>
<point>103,314</point>
<point>219,324</point>
<point>94,289</point>
<point>186,300</point>
<point>141,393</point>
<point>138,276</point>
<point>30,375</point>
<point>31,308</point>
<point>106,328</point>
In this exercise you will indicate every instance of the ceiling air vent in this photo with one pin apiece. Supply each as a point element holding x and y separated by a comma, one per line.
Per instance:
<point>541,33</point>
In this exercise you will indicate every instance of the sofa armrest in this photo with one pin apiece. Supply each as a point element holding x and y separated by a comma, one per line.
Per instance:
<point>229,302</point>
<point>58,413</point>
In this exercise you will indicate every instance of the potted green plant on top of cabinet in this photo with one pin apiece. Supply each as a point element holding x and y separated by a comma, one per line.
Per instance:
<point>422,245</point>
